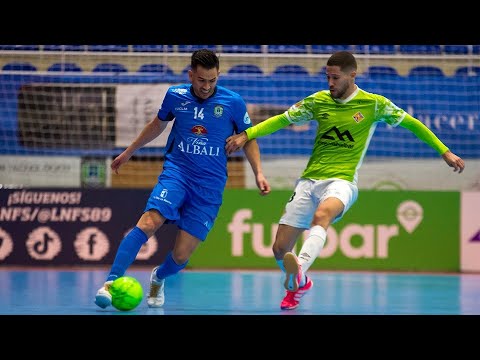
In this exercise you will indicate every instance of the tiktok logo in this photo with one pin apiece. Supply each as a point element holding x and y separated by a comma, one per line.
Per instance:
<point>43,243</point>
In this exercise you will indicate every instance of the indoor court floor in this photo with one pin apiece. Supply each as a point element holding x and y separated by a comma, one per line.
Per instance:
<point>71,292</point>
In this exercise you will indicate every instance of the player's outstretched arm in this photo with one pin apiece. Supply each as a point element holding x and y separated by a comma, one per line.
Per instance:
<point>266,127</point>
<point>427,136</point>
<point>151,130</point>
<point>454,161</point>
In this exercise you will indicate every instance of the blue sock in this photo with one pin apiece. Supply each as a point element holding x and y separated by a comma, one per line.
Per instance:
<point>280,265</point>
<point>127,252</point>
<point>169,267</point>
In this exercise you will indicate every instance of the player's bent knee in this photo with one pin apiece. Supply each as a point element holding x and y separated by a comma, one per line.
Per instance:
<point>279,251</point>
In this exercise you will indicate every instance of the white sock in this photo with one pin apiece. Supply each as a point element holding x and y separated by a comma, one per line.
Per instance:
<point>311,248</point>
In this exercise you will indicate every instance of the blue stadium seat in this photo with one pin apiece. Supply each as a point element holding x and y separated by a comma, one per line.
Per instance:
<point>375,49</point>
<point>192,48</point>
<point>287,49</point>
<point>19,66</point>
<point>20,47</point>
<point>242,49</point>
<point>330,49</point>
<point>108,48</point>
<point>65,67</point>
<point>455,49</point>
<point>468,71</point>
<point>110,67</point>
<point>245,69</point>
<point>380,71</point>
<point>290,69</point>
<point>156,68</point>
<point>152,48</point>
<point>63,47</point>
<point>426,71</point>
<point>420,49</point>
<point>476,49</point>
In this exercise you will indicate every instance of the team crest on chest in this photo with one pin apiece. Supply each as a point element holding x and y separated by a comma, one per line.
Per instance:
<point>218,111</point>
<point>358,117</point>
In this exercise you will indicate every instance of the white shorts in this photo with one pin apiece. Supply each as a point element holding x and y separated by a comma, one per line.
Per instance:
<point>308,194</point>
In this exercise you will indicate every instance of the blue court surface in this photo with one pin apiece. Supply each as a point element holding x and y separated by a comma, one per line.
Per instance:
<point>71,292</point>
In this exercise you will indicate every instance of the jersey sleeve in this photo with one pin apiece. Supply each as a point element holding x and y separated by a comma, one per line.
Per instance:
<point>268,126</point>
<point>388,112</point>
<point>301,112</point>
<point>240,114</point>
<point>165,112</point>
<point>423,133</point>
<point>297,114</point>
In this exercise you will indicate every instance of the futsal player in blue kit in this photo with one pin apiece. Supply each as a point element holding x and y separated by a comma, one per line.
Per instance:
<point>190,188</point>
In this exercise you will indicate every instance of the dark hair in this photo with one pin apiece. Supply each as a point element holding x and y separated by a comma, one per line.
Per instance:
<point>344,60</point>
<point>205,58</point>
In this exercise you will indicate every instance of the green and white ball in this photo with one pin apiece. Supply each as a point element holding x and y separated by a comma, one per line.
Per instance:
<point>127,293</point>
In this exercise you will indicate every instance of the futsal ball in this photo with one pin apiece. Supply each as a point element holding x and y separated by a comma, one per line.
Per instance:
<point>127,293</point>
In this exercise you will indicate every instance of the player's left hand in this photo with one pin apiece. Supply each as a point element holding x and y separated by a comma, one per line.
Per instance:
<point>454,161</point>
<point>262,184</point>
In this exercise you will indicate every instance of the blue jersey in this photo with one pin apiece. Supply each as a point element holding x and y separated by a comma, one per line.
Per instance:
<point>196,145</point>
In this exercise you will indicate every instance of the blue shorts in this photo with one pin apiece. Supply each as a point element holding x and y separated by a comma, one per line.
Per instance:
<point>191,207</point>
